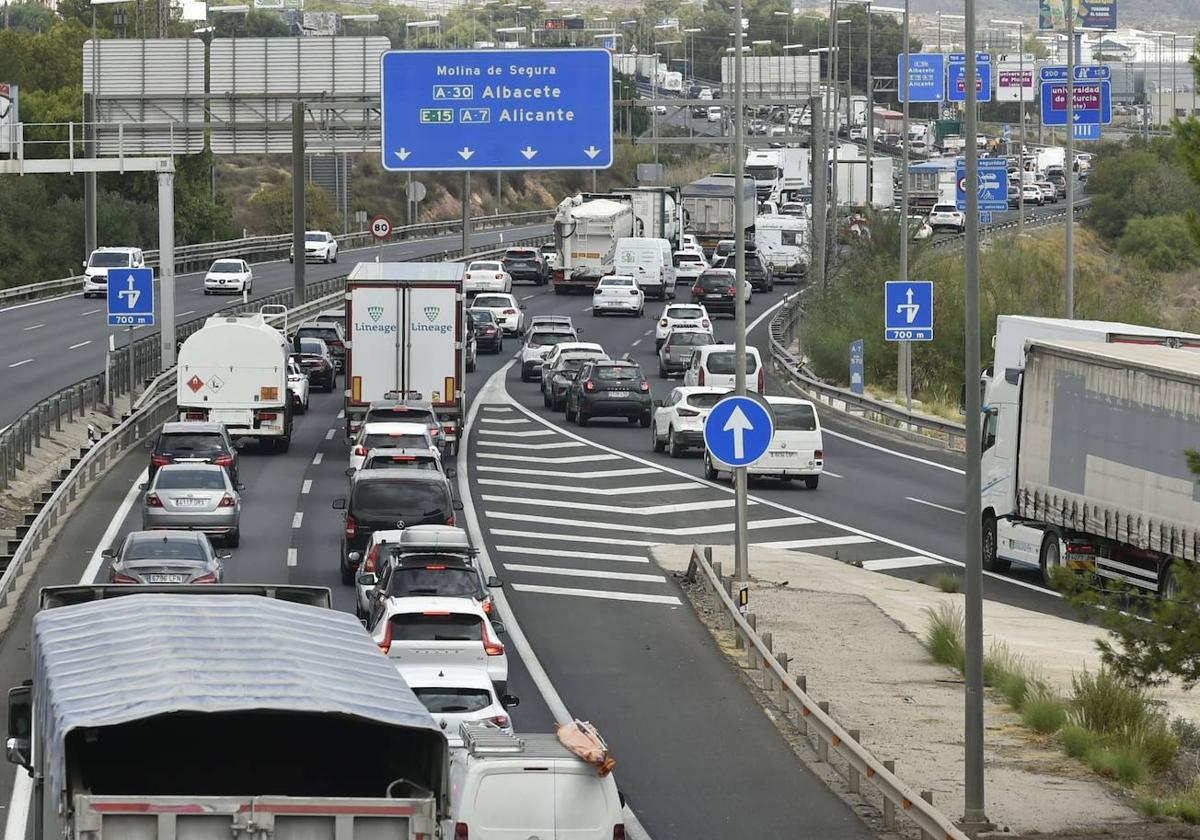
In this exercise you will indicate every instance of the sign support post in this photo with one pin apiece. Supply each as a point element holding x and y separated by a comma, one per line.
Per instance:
<point>166,266</point>
<point>466,214</point>
<point>904,357</point>
<point>1069,282</point>
<point>741,529</point>
<point>297,203</point>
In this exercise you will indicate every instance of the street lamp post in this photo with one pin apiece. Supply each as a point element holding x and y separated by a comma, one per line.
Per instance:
<point>742,534</point>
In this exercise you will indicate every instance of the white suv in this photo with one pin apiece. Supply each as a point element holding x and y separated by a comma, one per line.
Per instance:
<point>102,260</point>
<point>679,420</point>
<point>319,246</point>
<point>947,216</point>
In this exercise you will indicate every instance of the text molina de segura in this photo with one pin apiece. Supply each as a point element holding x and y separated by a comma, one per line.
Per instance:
<point>541,97</point>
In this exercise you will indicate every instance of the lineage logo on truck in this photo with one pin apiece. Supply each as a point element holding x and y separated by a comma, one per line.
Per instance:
<point>431,315</point>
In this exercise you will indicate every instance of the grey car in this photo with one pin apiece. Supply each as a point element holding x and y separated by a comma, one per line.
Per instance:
<point>677,348</point>
<point>194,497</point>
<point>165,557</point>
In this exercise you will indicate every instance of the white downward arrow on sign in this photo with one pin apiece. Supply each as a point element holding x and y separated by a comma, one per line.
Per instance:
<point>591,151</point>
<point>529,152</point>
<point>403,153</point>
<point>739,424</point>
<point>465,153</point>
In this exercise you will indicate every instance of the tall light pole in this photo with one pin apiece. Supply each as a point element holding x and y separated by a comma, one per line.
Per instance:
<point>1021,103</point>
<point>742,534</point>
<point>788,29</point>
<point>690,49</point>
<point>787,48</point>
<point>1069,280</point>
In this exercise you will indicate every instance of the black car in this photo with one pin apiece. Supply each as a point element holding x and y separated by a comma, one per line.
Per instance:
<point>610,389</point>
<point>329,331</point>
<point>390,499</point>
<point>525,264</point>
<point>717,290</point>
<point>558,379</point>
<point>759,273</point>
<point>314,359</point>
<point>488,334</point>
<point>193,442</point>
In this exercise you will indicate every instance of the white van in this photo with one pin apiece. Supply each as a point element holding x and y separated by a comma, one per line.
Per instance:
<point>797,449</point>
<point>103,260</point>
<point>713,367</point>
<point>511,787</point>
<point>649,261</point>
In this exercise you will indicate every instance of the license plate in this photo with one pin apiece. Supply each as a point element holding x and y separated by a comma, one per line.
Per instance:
<point>618,393</point>
<point>190,502</point>
<point>165,578</point>
<point>783,453</point>
<point>714,296</point>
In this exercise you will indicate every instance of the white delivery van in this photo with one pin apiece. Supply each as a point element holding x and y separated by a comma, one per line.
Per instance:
<point>650,262</point>
<point>102,261</point>
<point>713,367</point>
<point>512,787</point>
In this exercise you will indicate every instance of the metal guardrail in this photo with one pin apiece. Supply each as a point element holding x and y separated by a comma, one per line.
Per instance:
<point>261,248</point>
<point>813,717</point>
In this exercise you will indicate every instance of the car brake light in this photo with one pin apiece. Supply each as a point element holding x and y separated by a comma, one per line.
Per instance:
<point>700,377</point>
<point>434,432</point>
<point>762,379</point>
<point>488,605</point>
<point>819,454</point>
<point>360,450</point>
<point>267,415</point>
<point>706,323</point>
<point>645,386</point>
<point>117,577</point>
<point>489,331</point>
<point>492,648</point>
<point>152,500</point>
<point>461,832</point>
<point>400,458</point>
<point>618,832</point>
<point>663,322</point>
<point>436,612</point>
<point>159,460</point>
<point>223,460</point>
<point>386,644</point>
<point>589,385</point>
<point>450,520</point>
<point>211,577</point>
<point>731,290</point>
<point>372,558</point>
<point>499,276</point>
<point>195,415</point>
<point>697,289</point>
<point>226,501</point>
<point>351,528</point>
<point>687,412</point>
<point>499,720</point>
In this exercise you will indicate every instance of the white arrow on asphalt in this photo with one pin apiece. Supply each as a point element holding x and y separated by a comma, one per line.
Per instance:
<point>465,153</point>
<point>529,152</point>
<point>403,153</point>
<point>739,424</point>
<point>591,151</point>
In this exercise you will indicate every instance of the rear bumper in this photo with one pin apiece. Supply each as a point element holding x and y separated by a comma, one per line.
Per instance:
<point>615,408</point>
<point>616,306</point>
<point>532,368</point>
<point>210,523</point>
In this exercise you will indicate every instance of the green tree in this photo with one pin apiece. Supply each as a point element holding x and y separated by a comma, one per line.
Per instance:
<point>273,203</point>
<point>1163,243</point>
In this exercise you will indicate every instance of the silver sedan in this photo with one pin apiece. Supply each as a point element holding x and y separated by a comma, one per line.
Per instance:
<point>165,557</point>
<point>194,497</point>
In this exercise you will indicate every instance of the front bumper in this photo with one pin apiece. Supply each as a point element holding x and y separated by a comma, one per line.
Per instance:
<point>95,284</point>
<point>223,285</point>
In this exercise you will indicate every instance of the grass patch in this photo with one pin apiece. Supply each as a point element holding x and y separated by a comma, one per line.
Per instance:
<point>1009,674</point>
<point>1105,703</point>
<point>1043,712</point>
<point>1079,742</point>
<point>1122,762</point>
<point>948,583</point>
<point>1183,805</point>
<point>944,635</point>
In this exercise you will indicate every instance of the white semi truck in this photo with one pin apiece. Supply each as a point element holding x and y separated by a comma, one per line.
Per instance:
<point>1084,427</point>
<point>586,231</point>
<point>777,172</point>
<point>234,370</point>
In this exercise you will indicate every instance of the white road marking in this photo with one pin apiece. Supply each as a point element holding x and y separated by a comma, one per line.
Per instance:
<point>690,530</point>
<point>496,408</point>
<point>565,444</point>
<point>653,510</point>
<point>579,555</point>
<point>528,297</point>
<point>80,344</point>
<point>298,519</point>
<point>584,573</point>
<point>893,452</point>
<point>342,414</point>
<point>317,458</point>
<point>89,312</point>
<point>593,491</point>
<point>636,343</point>
<point>22,362</point>
<point>588,309</point>
<point>532,433</point>
<point>934,505</point>
<point>329,434</point>
<point>817,542</point>
<point>590,539</point>
<point>562,474</point>
<point>898,563</point>
<point>831,474</point>
<point>520,421</point>
<point>292,558</point>
<point>567,459</point>
<point>306,488</point>
<point>34,327</point>
<point>189,312</point>
<point>647,332</point>
<point>592,593</point>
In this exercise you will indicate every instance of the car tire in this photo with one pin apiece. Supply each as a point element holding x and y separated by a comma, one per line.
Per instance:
<point>569,415</point>
<point>524,376</point>
<point>545,399</point>
<point>233,538</point>
<point>283,444</point>
<point>662,372</point>
<point>347,574</point>
<point>595,312</point>
<point>471,366</point>
<point>581,418</point>
<point>673,447</point>
<point>811,481</point>
<point>647,419</point>
<point>710,470</point>
<point>1049,557</point>
<point>656,444</point>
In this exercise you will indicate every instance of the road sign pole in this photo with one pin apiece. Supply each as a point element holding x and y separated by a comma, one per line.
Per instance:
<point>166,267</point>
<point>132,371</point>
<point>741,531</point>
<point>1021,157</point>
<point>466,214</point>
<point>905,349</point>
<point>297,203</point>
<point>1069,280</point>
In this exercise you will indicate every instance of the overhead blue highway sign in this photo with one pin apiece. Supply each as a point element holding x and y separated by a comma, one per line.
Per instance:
<point>926,77</point>
<point>130,297</point>
<point>956,90</point>
<point>907,311</point>
<point>1086,131</point>
<point>738,431</point>
<point>992,176</point>
<point>1083,72</point>
<point>496,109</point>
<point>1093,103</point>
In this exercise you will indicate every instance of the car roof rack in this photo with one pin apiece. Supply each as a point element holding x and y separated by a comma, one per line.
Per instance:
<point>485,739</point>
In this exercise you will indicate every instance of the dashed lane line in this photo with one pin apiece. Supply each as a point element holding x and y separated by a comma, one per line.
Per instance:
<point>34,327</point>
<point>592,593</point>
<point>80,344</point>
<point>89,312</point>
<point>306,488</point>
<point>636,342</point>
<point>318,458</point>
<point>292,557</point>
<point>298,519</point>
<point>583,573</point>
<point>578,555</point>
<point>934,505</point>
<point>329,434</point>
<point>22,362</point>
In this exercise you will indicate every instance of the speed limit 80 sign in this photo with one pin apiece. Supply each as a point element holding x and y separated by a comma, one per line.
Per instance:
<point>381,228</point>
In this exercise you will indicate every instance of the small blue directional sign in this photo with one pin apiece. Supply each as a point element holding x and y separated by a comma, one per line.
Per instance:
<point>1086,131</point>
<point>496,109</point>
<point>1093,103</point>
<point>985,217</point>
<point>130,297</point>
<point>857,365</point>
<point>993,183</point>
<point>1083,72</point>
<point>738,430</point>
<point>908,311</point>
<point>926,77</point>
<point>956,90</point>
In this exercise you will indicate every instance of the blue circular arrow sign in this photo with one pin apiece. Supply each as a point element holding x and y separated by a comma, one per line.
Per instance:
<point>738,431</point>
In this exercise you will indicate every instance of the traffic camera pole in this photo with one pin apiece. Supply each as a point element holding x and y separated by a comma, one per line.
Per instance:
<point>297,203</point>
<point>1069,280</point>
<point>741,531</point>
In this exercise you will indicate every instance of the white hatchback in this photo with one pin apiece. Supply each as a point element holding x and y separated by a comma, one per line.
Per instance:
<point>679,419</point>
<point>681,316</point>
<point>486,276</point>
<point>390,436</point>
<point>458,695</point>
<point>509,314</point>
<point>618,293</point>
<point>229,276</point>
<point>796,451</point>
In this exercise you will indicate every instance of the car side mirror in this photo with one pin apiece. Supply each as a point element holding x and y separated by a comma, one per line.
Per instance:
<point>144,485</point>
<point>240,487</point>
<point>499,629</point>
<point>225,555</point>
<point>84,263</point>
<point>659,403</point>
<point>457,505</point>
<point>367,580</point>
<point>339,504</point>
<point>350,471</point>
<point>451,472</point>
<point>19,746</point>
<point>108,554</point>
<point>509,701</point>
<point>494,582</point>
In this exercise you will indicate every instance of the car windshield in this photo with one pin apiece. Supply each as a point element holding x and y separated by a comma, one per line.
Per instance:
<point>226,267</point>
<point>399,414</point>
<point>571,364</point>
<point>439,627</point>
<point>609,282</point>
<point>723,362</point>
<point>548,249</point>
<point>690,339</point>
<point>703,400</point>
<point>715,280</point>
<point>445,700</point>
<point>493,302</point>
<point>483,316</point>
<point>312,345</point>
<point>546,339</point>
<point>684,312</point>
<point>520,255</point>
<point>191,443</point>
<point>326,334</point>
<point>484,266</point>
<point>416,499</point>
<point>396,440</point>
<point>315,237</point>
<point>109,259</point>
<point>173,479</point>
<point>164,548</point>
<point>945,208</point>
<point>793,417</point>
<point>403,462</point>
<point>434,580</point>
<point>614,374</point>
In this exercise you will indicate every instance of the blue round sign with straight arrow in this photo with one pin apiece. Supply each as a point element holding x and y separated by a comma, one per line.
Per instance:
<point>738,430</point>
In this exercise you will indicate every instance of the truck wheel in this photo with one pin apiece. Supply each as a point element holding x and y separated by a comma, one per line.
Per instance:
<point>1049,557</point>
<point>1168,584</point>
<point>558,290</point>
<point>991,562</point>
<point>283,444</point>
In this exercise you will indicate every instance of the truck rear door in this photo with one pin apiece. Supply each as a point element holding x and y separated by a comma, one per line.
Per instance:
<point>373,319</point>
<point>433,323</point>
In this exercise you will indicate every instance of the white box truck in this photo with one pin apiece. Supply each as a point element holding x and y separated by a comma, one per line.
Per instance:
<point>234,371</point>
<point>708,206</point>
<point>405,336</point>
<point>586,231</point>
<point>1011,533</point>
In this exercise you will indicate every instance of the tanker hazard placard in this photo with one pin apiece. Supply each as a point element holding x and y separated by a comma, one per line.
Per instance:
<point>496,109</point>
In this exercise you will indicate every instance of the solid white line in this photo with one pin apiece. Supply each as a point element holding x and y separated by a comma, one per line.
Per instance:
<point>496,408</point>
<point>893,452</point>
<point>502,421</point>
<point>89,312</point>
<point>317,458</point>
<point>342,414</point>
<point>329,434</point>
<point>898,563</point>
<point>22,362</point>
<point>298,519</point>
<point>564,474</point>
<point>80,344</point>
<point>718,528</point>
<point>579,555</point>
<point>584,573</point>
<point>307,487</point>
<point>816,542</point>
<point>590,540</point>
<point>831,474</point>
<point>591,593</point>
<point>636,343</point>
<point>593,491</point>
<point>189,312</point>
<point>935,505</point>
<point>34,327</point>
<point>531,433</point>
<point>504,444</point>
<point>654,510</point>
<point>567,459</point>
<point>292,559</point>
